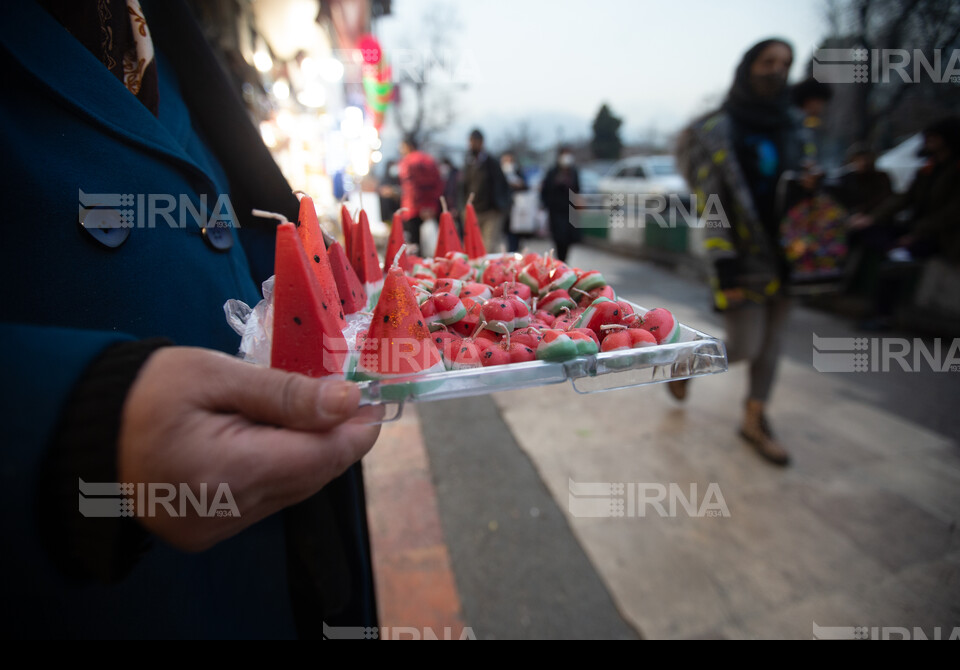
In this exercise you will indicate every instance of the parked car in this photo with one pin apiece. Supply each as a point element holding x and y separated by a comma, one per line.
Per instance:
<point>656,219</point>
<point>654,175</point>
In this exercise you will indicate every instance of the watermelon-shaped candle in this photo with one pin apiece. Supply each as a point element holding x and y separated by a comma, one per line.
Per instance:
<point>353,298</point>
<point>365,260</point>
<point>308,227</point>
<point>447,238</point>
<point>472,237</point>
<point>662,325</point>
<point>395,244</point>
<point>398,342</point>
<point>306,337</point>
<point>347,225</point>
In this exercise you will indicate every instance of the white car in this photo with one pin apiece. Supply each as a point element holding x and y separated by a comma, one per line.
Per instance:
<point>653,175</point>
<point>653,205</point>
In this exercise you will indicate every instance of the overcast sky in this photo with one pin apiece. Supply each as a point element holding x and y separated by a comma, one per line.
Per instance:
<point>554,62</point>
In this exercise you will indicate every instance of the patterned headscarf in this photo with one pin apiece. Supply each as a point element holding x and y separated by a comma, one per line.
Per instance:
<point>115,31</point>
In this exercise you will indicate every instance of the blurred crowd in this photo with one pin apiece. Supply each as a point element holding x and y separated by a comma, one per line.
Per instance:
<point>839,231</point>
<point>510,204</point>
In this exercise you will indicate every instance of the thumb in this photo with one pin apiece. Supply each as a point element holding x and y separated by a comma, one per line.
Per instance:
<point>291,400</point>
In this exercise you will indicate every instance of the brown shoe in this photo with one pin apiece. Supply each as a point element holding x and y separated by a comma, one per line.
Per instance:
<point>756,430</point>
<point>678,389</point>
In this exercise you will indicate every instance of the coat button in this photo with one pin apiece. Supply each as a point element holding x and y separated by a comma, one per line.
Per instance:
<point>217,237</point>
<point>107,226</point>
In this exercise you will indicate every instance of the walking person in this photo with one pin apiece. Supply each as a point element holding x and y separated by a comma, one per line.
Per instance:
<point>481,176</point>
<point>518,184</point>
<point>560,181</point>
<point>450,175</point>
<point>420,189</point>
<point>739,153</point>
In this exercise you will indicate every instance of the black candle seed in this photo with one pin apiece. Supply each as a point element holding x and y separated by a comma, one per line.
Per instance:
<point>419,322</point>
<point>386,318</point>
<point>316,259</point>
<point>296,320</point>
<point>324,305</point>
<point>488,354</point>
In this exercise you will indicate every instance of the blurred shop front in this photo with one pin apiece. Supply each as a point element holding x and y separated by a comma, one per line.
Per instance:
<point>315,83</point>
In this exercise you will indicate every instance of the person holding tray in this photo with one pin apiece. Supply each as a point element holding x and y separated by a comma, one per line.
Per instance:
<point>153,485</point>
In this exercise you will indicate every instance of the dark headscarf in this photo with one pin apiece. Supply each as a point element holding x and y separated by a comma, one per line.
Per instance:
<point>746,107</point>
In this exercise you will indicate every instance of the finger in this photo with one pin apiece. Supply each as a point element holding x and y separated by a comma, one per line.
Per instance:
<point>293,465</point>
<point>286,399</point>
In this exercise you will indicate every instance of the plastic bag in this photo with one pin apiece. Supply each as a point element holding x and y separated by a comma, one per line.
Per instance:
<point>255,326</point>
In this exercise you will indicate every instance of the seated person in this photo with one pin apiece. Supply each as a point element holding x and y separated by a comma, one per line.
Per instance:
<point>929,228</point>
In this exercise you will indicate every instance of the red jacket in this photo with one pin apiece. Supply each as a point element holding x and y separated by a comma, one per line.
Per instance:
<point>420,184</point>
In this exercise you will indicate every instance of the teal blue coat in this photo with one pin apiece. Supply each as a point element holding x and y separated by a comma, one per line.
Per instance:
<point>68,125</point>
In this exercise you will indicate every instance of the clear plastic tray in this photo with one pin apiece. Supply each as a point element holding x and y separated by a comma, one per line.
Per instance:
<point>695,355</point>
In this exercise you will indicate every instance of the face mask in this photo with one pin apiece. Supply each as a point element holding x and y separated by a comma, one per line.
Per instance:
<point>508,167</point>
<point>768,85</point>
<point>566,160</point>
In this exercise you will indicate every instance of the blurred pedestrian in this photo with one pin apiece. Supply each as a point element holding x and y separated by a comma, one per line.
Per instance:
<point>451,190</point>
<point>738,154</point>
<point>482,177</point>
<point>518,184</point>
<point>932,227</point>
<point>420,189</point>
<point>560,181</point>
<point>389,190</point>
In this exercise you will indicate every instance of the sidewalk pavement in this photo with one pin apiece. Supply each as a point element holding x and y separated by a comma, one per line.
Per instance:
<point>860,531</point>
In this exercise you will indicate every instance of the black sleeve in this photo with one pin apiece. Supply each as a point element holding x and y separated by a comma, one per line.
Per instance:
<point>84,446</point>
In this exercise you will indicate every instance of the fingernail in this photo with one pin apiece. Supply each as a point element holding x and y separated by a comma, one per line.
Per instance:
<point>339,397</point>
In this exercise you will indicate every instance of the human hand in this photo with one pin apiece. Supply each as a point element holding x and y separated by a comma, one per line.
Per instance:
<point>197,416</point>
